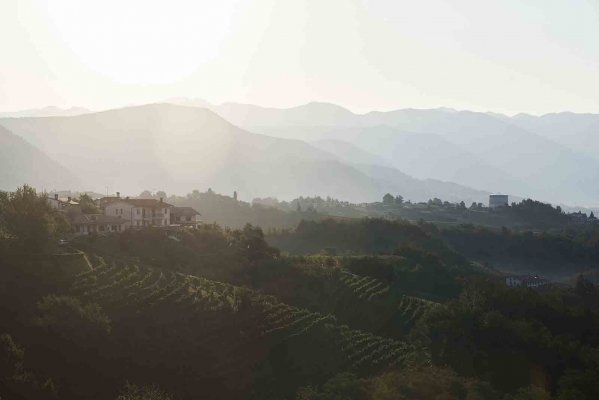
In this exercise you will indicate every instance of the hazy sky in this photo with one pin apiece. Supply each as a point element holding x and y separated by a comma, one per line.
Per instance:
<point>508,56</point>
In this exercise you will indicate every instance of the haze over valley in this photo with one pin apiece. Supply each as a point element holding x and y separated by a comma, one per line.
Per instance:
<point>299,200</point>
<point>317,149</point>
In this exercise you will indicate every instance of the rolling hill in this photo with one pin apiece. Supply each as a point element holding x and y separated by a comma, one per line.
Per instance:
<point>178,148</point>
<point>20,163</point>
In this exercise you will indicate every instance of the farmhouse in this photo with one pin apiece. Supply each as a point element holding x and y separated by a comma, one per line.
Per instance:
<point>85,224</point>
<point>184,216</point>
<point>139,213</point>
<point>61,203</point>
<point>118,214</point>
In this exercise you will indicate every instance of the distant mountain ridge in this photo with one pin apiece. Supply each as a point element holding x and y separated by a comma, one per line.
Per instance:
<point>20,163</point>
<point>554,157</point>
<point>180,148</point>
<point>50,111</point>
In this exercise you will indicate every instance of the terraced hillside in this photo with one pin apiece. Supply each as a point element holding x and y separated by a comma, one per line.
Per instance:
<point>236,330</point>
<point>358,299</point>
<point>364,287</point>
<point>411,309</point>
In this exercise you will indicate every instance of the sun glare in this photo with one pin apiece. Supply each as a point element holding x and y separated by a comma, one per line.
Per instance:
<point>143,42</point>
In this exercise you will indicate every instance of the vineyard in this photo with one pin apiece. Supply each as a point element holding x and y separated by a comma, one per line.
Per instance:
<point>364,287</point>
<point>237,320</point>
<point>411,309</point>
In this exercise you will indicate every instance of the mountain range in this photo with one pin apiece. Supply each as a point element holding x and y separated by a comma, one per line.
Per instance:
<point>21,162</point>
<point>324,149</point>
<point>50,111</point>
<point>179,148</point>
<point>554,157</point>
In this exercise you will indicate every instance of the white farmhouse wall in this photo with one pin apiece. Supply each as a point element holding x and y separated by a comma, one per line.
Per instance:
<point>139,216</point>
<point>120,209</point>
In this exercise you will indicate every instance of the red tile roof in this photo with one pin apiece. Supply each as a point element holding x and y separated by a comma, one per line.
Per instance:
<point>184,211</point>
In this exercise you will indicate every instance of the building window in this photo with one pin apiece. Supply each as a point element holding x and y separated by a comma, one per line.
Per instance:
<point>138,211</point>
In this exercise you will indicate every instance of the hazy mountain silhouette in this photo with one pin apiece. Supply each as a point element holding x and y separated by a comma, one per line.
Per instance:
<point>579,132</point>
<point>50,111</point>
<point>424,155</point>
<point>395,179</point>
<point>552,157</point>
<point>177,148</point>
<point>20,163</point>
<point>421,189</point>
<point>311,114</point>
<point>349,153</point>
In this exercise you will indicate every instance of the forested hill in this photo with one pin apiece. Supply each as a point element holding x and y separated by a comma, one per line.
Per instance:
<point>558,256</point>
<point>230,212</point>
<point>520,214</point>
<point>270,213</point>
<point>221,314</point>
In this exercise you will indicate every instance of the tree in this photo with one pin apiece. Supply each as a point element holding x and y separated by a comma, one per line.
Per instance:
<point>18,381</point>
<point>67,317</point>
<point>399,199</point>
<point>585,288</point>
<point>29,218</point>
<point>87,204</point>
<point>253,246</point>
<point>11,357</point>
<point>435,202</point>
<point>388,199</point>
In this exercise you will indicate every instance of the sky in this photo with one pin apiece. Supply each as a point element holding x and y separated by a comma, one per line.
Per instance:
<point>509,56</point>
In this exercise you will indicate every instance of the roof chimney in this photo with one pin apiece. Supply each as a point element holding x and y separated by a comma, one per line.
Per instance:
<point>161,199</point>
<point>118,194</point>
<point>55,196</point>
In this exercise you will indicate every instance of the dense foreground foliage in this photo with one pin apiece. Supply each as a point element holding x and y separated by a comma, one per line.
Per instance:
<point>391,311</point>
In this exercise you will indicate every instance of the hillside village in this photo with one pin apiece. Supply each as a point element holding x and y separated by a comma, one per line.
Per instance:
<point>116,214</point>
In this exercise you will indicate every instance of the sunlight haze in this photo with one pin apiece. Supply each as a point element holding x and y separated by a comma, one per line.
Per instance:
<point>504,56</point>
<point>299,199</point>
